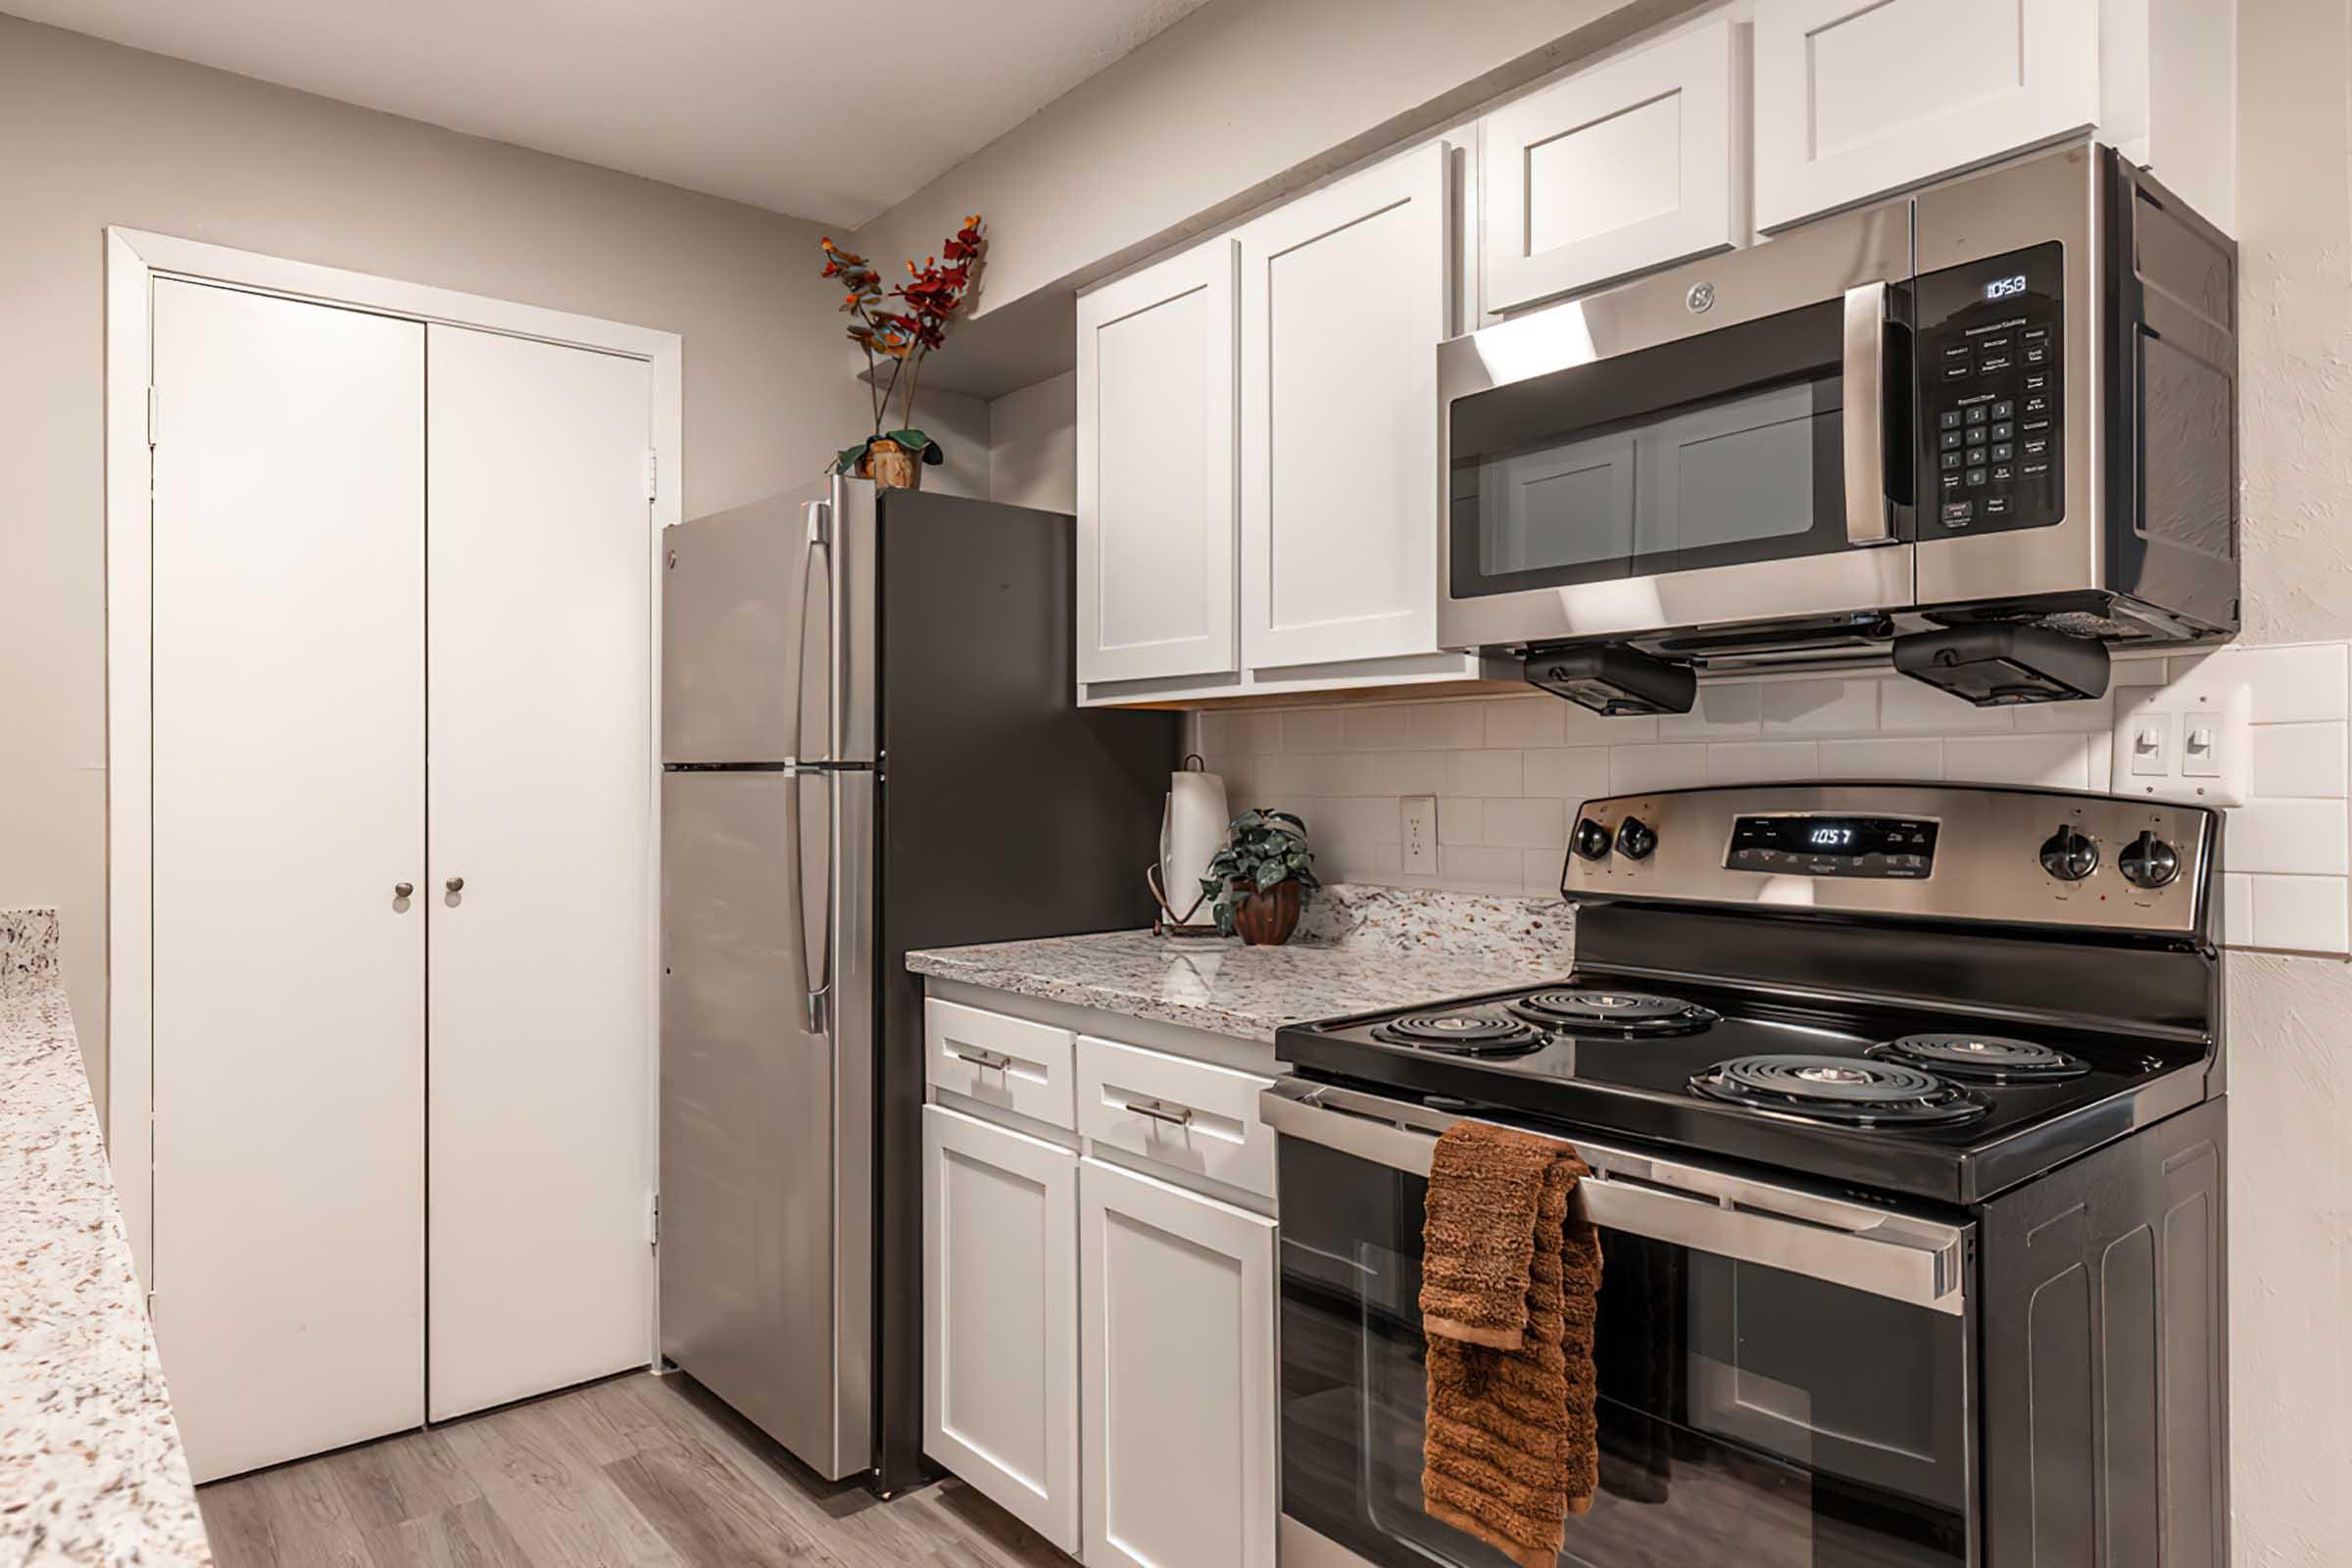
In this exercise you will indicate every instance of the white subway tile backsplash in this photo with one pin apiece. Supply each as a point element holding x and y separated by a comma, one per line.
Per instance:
<point>1509,770</point>
<point>1342,773</point>
<point>1409,772</point>
<point>1821,707</point>
<point>1571,772</point>
<point>2238,909</point>
<point>2054,761</point>
<point>2296,838</point>
<point>1718,712</point>
<point>2299,759</point>
<point>1581,726</point>
<point>1445,726</point>
<point>2095,713</point>
<point>1311,730</point>
<point>1528,823</point>
<point>1472,866</point>
<point>1882,759</point>
<point>1486,773</point>
<point>1370,820</point>
<point>1906,704</point>
<point>1462,821</point>
<point>1762,762</point>
<point>1376,729</point>
<point>1656,767</point>
<point>2301,913</point>
<point>1519,723</point>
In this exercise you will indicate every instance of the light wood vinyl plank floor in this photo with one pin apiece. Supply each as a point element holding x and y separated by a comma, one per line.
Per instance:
<point>634,1472</point>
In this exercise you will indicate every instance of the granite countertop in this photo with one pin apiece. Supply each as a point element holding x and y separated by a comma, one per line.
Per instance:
<point>91,1468</point>
<point>1362,947</point>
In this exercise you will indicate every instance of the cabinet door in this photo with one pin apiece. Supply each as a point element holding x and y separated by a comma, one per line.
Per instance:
<point>1629,165</point>
<point>539,621</point>
<point>1001,1317</point>
<point>1343,300</point>
<point>289,808</point>
<point>1156,502</point>
<point>1855,98</point>
<point>1178,1315</point>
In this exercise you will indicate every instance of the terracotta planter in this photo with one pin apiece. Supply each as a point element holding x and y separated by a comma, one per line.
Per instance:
<point>892,467</point>
<point>1267,919</point>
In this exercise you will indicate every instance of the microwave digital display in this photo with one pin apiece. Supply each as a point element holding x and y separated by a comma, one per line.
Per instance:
<point>2000,288</point>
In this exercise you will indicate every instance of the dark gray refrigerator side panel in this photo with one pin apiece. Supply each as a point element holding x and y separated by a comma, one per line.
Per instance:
<point>745,624</point>
<point>1006,812</point>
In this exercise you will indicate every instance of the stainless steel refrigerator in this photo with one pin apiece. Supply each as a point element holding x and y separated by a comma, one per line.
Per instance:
<point>870,743</point>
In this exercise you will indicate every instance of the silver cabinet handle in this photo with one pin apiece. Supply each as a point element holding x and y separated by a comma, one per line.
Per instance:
<point>993,1060</point>
<point>456,884</point>
<point>1158,1111</point>
<point>402,889</point>
<point>1867,520</point>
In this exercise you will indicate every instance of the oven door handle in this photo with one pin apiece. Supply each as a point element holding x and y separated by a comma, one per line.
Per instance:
<point>1905,1257</point>
<point>1869,520</point>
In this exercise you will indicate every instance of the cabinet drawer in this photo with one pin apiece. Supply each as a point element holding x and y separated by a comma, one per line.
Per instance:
<point>1186,1116</point>
<point>1010,1063</point>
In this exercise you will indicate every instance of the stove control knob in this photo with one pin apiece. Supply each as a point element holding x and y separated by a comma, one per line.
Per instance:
<point>1636,839</point>
<point>1592,839</point>
<point>2148,862</point>
<point>2069,854</point>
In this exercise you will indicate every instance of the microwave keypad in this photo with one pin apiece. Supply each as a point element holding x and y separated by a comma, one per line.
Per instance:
<point>1990,334</point>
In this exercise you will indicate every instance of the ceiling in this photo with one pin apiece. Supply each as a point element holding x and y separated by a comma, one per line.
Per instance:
<point>818,110</point>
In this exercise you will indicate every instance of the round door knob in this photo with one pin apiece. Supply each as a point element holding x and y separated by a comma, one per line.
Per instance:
<point>2069,854</point>
<point>1636,839</point>
<point>1592,839</point>
<point>456,884</point>
<point>402,889</point>
<point>2148,862</point>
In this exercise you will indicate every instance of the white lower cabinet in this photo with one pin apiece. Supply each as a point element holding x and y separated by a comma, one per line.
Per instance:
<point>1001,1317</point>
<point>1177,1388</point>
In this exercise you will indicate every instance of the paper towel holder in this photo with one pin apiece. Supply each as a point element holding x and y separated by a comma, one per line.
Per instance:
<point>1171,922</point>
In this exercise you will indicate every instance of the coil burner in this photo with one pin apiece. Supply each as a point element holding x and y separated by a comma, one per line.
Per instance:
<point>1847,1091</point>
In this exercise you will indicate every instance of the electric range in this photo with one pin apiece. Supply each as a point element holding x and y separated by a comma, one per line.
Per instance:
<point>1903,1109</point>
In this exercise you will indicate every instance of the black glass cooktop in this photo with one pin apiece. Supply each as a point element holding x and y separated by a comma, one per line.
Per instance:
<point>1896,1099</point>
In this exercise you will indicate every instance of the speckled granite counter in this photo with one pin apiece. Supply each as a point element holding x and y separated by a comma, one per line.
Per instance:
<point>91,1469</point>
<point>1360,948</point>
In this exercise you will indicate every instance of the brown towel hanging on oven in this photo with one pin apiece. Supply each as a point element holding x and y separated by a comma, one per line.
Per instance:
<point>1509,1273</point>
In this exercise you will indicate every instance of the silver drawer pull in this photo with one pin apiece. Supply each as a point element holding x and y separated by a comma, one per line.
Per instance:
<point>1160,1110</point>
<point>993,1060</point>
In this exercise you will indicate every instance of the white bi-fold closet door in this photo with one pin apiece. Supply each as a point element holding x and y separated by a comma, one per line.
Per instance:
<point>402,633</point>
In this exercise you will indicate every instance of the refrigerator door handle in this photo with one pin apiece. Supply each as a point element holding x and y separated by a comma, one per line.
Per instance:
<point>815,947</point>
<point>819,518</point>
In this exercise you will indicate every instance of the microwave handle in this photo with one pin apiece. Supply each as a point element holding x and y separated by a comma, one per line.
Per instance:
<point>1869,520</point>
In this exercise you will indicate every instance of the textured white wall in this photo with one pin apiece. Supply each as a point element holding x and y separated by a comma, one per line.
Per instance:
<point>1033,437</point>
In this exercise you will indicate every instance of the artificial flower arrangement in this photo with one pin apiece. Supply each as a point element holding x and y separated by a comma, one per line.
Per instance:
<point>904,334</point>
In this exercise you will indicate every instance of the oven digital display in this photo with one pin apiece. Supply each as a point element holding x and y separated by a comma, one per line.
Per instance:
<point>1834,845</point>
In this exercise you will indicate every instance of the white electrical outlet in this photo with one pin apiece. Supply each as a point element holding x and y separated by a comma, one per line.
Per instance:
<point>1420,834</point>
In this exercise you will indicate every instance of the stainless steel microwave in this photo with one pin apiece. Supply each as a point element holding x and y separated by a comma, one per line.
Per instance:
<point>2007,401</point>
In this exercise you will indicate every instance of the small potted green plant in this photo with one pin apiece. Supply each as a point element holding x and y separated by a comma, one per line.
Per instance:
<point>1261,877</point>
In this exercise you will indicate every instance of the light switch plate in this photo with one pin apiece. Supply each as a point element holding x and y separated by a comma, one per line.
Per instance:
<point>1419,831</point>
<point>2203,734</point>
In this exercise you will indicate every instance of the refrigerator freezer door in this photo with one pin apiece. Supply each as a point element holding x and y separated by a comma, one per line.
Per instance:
<point>765,1140</point>
<point>746,621</point>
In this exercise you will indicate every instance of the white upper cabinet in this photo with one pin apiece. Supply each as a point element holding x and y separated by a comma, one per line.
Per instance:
<point>1634,163</point>
<point>1156,456</point>
<point>1343,300</point>
<point>1856,98</point>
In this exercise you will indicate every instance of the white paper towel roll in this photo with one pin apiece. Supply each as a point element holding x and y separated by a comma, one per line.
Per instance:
<point>1192,830</point>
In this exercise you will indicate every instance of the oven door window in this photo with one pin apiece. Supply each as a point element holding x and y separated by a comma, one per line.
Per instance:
<point>1715,450</point>
<point>1747,1415</point>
